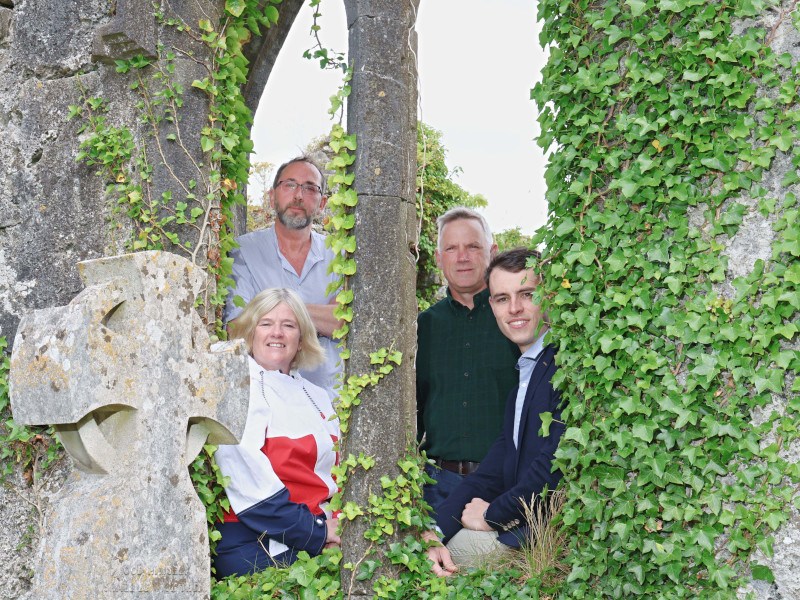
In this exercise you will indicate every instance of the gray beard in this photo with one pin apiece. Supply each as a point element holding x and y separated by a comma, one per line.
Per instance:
<point>298,221</point>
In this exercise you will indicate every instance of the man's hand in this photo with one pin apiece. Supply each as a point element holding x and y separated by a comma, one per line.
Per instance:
<point>332,538</point>
<point>443,564</point>
<point>323,319</point>
<point>472,517</point>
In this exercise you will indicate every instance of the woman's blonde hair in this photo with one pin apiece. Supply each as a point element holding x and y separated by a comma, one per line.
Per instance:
<point>310,354</point>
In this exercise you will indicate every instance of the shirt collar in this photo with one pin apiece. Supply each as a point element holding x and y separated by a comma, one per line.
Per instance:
<point>256,368</point>
<point>478,299</point>
<point>535,351</point>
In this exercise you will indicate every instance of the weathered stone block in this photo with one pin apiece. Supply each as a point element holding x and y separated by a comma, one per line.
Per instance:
<point>125,375</point>
<point>47,199</point>
<point>54,38</point>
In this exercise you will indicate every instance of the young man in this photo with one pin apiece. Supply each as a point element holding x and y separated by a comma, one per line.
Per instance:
<point>291,255</point>
<point>484,515</point>
<point>465,367</point>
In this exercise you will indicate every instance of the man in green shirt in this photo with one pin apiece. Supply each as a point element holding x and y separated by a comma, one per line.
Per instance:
<point>465,365</point>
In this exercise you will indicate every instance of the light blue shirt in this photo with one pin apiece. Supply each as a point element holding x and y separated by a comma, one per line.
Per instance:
<point>258,264</point>
<point>525,364</point>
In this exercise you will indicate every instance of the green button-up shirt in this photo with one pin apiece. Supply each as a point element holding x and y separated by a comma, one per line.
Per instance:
<point>465,370</point>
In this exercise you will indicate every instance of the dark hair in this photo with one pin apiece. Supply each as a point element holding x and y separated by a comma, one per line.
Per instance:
<point>513,261</point>
<point>297,159</point>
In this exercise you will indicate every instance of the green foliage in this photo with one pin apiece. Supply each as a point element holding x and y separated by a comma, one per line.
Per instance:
<point>436,194</point>
<point>31,449</point>
<point>308,578</point>
<point>674,454</point>
<point>511,238</point>
<point>189,213</point>
<point>318,578</point>
<point>328,58</point>
<point>209,484</point>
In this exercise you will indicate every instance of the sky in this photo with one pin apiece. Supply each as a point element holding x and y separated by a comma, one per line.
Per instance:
<point>477,61</point>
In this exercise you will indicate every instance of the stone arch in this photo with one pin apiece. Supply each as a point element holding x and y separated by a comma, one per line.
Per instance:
<point>55,211</point>
<point>262,52</point>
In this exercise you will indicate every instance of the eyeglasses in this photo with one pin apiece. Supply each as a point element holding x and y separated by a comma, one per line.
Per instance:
<point>308,189</point>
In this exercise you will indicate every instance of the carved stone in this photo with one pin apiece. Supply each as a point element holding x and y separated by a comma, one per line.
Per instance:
<point>125,375</point>
<point>131,31</point>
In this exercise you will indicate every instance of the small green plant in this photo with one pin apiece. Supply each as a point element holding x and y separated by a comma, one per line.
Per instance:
<point>32,450</point>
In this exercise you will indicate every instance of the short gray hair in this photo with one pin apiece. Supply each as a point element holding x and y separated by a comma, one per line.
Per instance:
<point>311,353</point>
<point>462,212</point>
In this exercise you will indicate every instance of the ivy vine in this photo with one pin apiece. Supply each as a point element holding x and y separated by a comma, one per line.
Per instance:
<point>676,376</point>
<point>193,215</point>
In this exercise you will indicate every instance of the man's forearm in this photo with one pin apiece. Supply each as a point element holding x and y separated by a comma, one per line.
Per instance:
<point>322,316</point>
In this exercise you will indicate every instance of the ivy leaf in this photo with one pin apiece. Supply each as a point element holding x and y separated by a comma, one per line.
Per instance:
<point>566,226</point>
<point>577,434</point>
<point>644,431</point>
<point>706,367</point>
<point>637,6</point>
<point>611,477</point>
<point>547,420</point>
<point>762,573</point>
<point>628,187</point>
<point>272,14</point>
<point>235,7</point>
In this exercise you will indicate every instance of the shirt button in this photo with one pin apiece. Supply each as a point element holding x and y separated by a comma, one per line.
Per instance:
<point>464,404</point>
<point>466,374</point>
<point>467,345</point>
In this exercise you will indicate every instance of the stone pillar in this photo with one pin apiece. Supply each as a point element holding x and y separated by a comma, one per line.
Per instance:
<point>382,113</point>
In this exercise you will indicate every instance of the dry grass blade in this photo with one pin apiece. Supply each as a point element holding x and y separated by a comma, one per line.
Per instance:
<point>543,554</point>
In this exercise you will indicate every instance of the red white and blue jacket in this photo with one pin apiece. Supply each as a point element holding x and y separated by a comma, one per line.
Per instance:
<point>280,474</point>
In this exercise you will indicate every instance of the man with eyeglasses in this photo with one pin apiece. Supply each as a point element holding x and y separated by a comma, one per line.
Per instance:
<point>291,255</point>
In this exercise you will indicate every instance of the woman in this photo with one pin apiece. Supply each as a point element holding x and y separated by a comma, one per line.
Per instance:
<point>280,474</point>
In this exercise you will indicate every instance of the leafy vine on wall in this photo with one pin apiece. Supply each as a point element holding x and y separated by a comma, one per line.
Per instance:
<point>681,407</point>
<point>193,215</point>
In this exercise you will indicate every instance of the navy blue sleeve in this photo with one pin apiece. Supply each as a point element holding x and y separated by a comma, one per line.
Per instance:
<point>288,522</point>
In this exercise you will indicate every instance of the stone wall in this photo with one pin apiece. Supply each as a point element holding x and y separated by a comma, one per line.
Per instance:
<point>52,211</point>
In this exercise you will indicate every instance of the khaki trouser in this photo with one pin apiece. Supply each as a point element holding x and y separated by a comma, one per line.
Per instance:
<point>471,548</point>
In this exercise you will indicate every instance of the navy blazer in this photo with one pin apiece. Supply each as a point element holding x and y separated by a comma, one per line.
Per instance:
<point>509,475</point>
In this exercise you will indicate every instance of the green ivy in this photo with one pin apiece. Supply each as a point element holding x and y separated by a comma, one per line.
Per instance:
<point>30,449</point>
<point>194,215</point>
<point>666,114</point>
